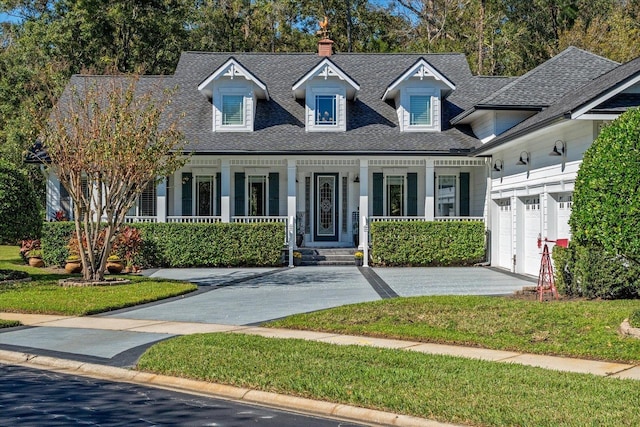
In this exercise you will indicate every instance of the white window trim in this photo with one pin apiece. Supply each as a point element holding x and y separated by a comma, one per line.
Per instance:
<point>247,192</point>
<point>341,108</point>
<point>404,109</point>
<point>385,193</point>
<point>456,175</point>
<point>248,117</point>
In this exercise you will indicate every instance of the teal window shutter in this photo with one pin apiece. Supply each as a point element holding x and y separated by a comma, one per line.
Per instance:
<point>274,196</point>
<point>378,198</point>
<point>239,194</point>
<point>218,193</point>
<point>187,194</point>
<point>412,194</point>
<point>464,194</point>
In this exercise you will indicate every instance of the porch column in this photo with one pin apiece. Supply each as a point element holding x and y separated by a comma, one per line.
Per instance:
<point>429,190</point>
<point>225,189</point>
<point>291,206</point>
<point>364,211</point>
<point>177,193</point>
<point>161,201</point>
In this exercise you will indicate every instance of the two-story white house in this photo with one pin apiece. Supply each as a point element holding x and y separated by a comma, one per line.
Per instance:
<point>328,143</point>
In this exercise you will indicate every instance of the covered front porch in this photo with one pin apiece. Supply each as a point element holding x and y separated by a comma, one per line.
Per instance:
<point>324,201</point>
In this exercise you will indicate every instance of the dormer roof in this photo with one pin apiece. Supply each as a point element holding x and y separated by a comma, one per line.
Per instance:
<point>326,69</point>
<point>232,69</point>
<point>420,70</point>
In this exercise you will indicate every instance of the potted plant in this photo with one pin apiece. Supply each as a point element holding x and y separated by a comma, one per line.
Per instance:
<point>115,264</point>
<point>28,246</point>
<point>73,265</point>
<point>358,256</point>
<point>297,258</point>
<point>35,258</point>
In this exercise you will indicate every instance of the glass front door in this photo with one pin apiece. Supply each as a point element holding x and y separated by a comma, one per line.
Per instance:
<point>326,207</point>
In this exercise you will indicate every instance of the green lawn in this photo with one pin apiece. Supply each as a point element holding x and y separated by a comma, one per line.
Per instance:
<point>42,295</point>
<point>584,329</point>
<point>438,387</point>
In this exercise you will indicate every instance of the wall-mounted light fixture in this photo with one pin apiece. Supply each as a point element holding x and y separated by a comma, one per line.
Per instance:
<point>559,148</point>
<point>497,165</point>
<point>357,178</point>
<point>524,159</point>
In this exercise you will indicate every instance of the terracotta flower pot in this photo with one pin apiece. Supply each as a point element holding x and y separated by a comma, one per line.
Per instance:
<point>73,266</point>
<point>36,262</point>
<point>115,266</point>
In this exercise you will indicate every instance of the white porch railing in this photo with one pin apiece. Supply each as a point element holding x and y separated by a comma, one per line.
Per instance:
<point>459,218</point>
<point>254,219</point>
<point>194,219</point>
<point>132,219</point>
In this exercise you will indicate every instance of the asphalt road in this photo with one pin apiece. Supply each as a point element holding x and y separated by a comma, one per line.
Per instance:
<point>43,398</point>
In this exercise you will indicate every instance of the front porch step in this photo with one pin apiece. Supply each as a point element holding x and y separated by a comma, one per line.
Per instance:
<point>327,256</point>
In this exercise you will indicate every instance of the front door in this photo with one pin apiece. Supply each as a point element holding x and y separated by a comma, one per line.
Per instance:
<point>326,207</point>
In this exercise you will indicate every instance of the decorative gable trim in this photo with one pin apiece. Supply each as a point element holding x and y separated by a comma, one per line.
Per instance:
<point>420,70</point>
<point>326,69</point>
<point>231,70</point>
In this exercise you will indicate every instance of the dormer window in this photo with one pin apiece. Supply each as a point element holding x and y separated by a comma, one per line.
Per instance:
<point>326,110</point>
<point>234,92</point>
<point>418,96</point>
<point>232,110</point>
<point>326,89</point>
<point>419,110</point>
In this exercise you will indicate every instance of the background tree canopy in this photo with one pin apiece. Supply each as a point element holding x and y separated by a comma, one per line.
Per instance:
<point>43,42</point>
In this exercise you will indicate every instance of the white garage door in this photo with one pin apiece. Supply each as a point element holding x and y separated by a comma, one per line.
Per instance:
<point>563,214</point>
<point>505,238</point>
<point>532,229</point>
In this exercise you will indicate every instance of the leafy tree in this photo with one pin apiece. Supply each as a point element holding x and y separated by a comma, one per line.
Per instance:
<point>108,139</point>
<point>606,200</point>
<point>20,213</point>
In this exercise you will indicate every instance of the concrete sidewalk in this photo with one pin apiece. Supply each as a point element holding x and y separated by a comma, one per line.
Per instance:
<point>170,328</point>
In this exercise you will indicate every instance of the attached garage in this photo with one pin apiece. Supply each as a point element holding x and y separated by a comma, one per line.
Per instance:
<point>529,230</point>
<point>503,240</point>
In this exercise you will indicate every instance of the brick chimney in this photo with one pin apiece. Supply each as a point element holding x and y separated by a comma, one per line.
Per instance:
<point>325,47</point>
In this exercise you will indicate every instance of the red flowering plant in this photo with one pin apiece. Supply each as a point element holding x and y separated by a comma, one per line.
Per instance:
<point>127,244</point>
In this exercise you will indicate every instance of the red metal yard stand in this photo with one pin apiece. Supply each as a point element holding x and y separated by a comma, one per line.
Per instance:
<point>546,282</point>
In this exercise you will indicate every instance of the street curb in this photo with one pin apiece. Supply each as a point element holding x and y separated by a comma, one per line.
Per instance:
<point>274,400</point>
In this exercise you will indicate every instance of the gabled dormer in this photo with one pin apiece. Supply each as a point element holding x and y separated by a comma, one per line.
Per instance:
<point>418,95</point>
<point>233,91</point>
<point>326,90</point>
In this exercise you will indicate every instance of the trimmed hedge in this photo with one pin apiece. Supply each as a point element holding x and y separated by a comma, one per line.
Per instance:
<point>187,245</point>
<point>20,212</point>
<point>422,243</point>
<point>592,272</point>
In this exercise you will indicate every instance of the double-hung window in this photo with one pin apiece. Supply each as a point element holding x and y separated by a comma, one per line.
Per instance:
<point>205,195</point>
<point>232,110</point>
<point>446,197</point>
<point>420,110</point>
<point>257,195</point>
<point>326,110</point>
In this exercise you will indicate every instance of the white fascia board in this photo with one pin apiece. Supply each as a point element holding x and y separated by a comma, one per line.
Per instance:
<point>425,69</point>
<point>231,69</point>
<point>600,116</point>
<point>325,66</point>
<point>607,95</point>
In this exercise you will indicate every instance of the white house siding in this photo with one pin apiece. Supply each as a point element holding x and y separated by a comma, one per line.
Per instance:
<point>484,126</point>
<point>540,193</point>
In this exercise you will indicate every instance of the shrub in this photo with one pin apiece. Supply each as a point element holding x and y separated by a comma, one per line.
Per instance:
<point>20,215</point>
<point>606,200</point>
<point>55,238</point>
<point>591,271</point>
<point>634,319</point>
<point>186,245</point>
<point>421,243</point>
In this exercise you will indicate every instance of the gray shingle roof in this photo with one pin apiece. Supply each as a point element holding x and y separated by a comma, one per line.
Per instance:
<point>542,86</point>
<point>573,101</point>
<point>279,123</point>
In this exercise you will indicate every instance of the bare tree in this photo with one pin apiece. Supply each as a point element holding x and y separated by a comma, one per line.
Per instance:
<point>108,138</point>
